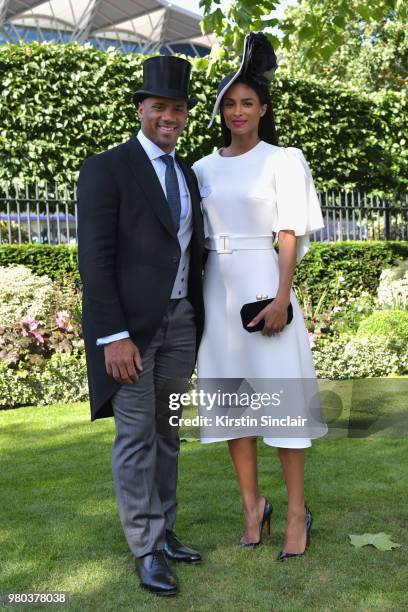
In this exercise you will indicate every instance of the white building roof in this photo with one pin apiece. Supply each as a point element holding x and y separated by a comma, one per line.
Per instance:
<point>149,23</point>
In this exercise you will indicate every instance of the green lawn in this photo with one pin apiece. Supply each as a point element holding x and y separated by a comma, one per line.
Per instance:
<point>60,530</point>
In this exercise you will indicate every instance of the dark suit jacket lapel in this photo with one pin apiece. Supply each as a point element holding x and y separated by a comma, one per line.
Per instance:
<point>146,176</point>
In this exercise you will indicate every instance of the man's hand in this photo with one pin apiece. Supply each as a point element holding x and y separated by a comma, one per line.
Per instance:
<point>123,361</point>
<point>275,316</point>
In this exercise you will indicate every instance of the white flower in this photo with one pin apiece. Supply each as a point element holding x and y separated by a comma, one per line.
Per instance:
<point>341,279</point>
<point>393,287</point>
<point>23,294</point>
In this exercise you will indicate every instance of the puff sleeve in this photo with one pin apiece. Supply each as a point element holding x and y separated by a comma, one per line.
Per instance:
<point>297,204</point>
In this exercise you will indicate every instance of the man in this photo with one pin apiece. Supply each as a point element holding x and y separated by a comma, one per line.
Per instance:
<point>140,246</point>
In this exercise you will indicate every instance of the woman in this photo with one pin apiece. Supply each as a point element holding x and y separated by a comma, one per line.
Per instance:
<point>251,189</point>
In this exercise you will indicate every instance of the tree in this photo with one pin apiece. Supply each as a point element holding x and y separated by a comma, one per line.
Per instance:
<point>372,56</point>
<point>315,29</point>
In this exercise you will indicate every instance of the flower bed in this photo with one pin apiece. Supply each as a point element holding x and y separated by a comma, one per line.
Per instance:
<point>42,359</point>
<point>361,335</point>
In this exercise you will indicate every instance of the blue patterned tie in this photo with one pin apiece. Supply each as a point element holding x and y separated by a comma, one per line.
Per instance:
<point>172,190</point>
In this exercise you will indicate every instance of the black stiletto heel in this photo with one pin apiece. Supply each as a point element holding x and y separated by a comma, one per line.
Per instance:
<point>266,520</point>
<point>309,521</point>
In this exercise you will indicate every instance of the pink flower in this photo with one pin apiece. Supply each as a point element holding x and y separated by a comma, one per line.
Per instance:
<point>312,339</point>
<point>39,338</point>
<point>60,318</point>
<point>27,320</point>
<point>63,320</point>
<point>32,323</point>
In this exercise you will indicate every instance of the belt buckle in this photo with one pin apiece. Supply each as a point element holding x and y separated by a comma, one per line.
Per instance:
<point>223,243</point>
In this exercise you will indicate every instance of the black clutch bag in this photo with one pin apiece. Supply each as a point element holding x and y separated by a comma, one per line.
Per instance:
<point>249,312</point>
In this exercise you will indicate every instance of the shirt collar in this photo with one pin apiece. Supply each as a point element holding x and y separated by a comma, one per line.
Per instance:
<point>151,149</point>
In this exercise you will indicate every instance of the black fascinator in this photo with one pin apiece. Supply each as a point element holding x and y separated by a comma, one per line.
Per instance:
<point>259,61</point>
<point>258,64</point>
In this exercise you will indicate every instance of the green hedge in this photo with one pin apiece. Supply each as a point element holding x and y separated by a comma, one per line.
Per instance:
<point>61,103</point>
<point>54,261</point>
<point>359,263</point>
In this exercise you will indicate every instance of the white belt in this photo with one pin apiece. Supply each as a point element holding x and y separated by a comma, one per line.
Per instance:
<point>225,243</point>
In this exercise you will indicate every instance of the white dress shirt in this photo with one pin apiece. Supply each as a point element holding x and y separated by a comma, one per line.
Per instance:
<point>185,230</point>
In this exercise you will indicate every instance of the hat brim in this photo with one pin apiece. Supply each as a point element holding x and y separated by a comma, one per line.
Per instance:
<point>142,94</point>
<point>228,85</point>
<point>221,95</point>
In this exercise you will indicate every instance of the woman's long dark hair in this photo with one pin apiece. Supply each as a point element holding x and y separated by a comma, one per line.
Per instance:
<point>267,129</point>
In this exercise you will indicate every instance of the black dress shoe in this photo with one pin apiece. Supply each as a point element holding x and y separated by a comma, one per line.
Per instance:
<point>266,520</point>
<point>309,521</point>
<point>155,574</point>
<point>176,551</point>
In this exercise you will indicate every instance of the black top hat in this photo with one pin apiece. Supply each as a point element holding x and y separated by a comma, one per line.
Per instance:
<point>165,76</point>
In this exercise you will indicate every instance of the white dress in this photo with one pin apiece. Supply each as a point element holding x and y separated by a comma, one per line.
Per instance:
<point>248,198</point>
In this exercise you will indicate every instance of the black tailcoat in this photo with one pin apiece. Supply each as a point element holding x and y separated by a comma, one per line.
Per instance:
<point>128,254</point>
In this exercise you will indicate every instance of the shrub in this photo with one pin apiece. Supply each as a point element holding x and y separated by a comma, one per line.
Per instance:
<point>42,360</point>
<point>62,378</point>
<point>38,317</point>
<point>389,324</point>
<point>356,357</point>
<point>24,294</point>
<point>316,279</point>
<point>357,264</point>
<point>17,387</point>
<point>348,314</point>
<point>393,287</point>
